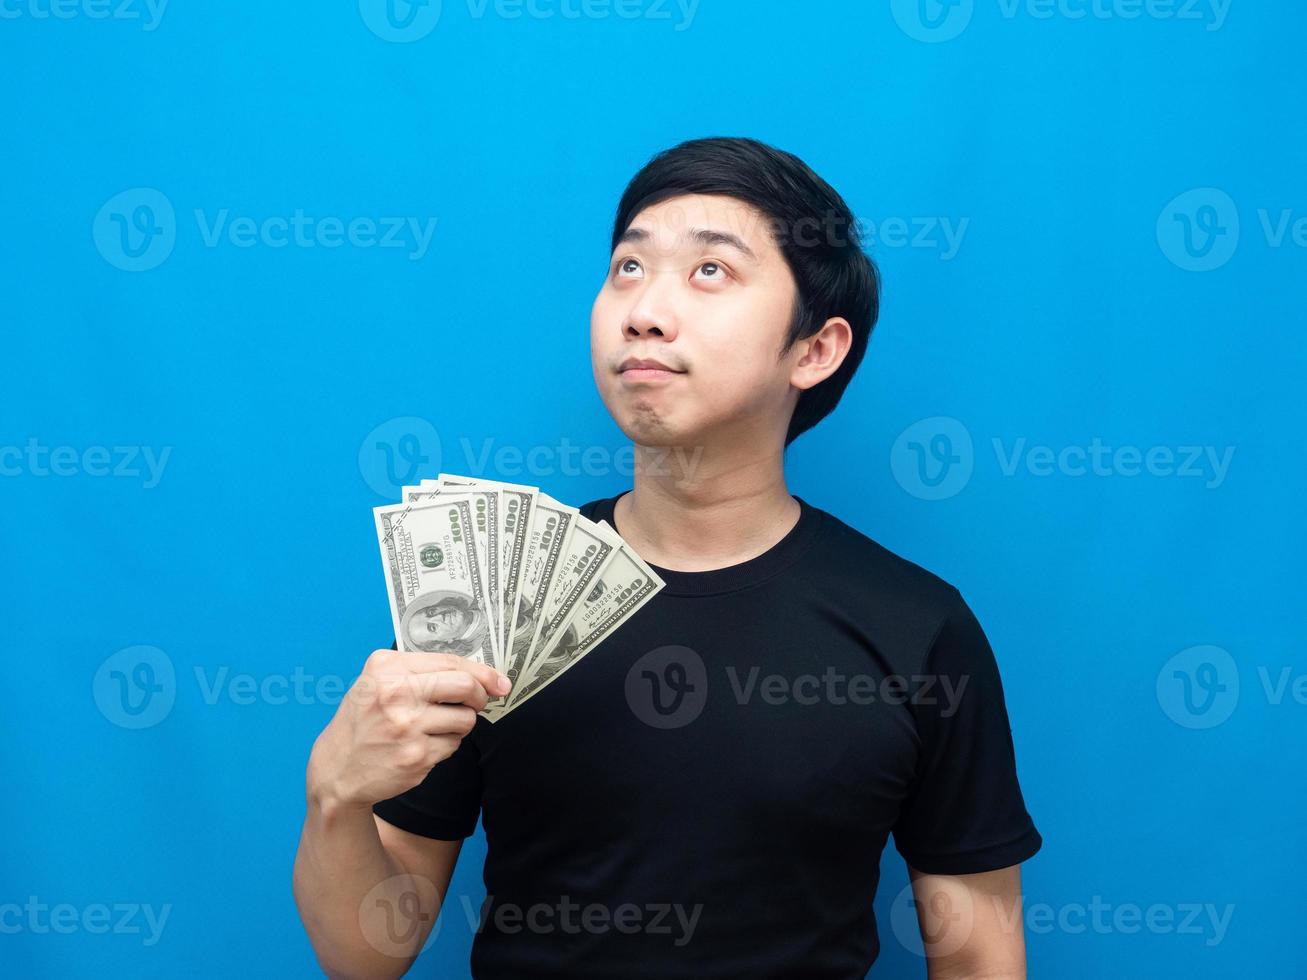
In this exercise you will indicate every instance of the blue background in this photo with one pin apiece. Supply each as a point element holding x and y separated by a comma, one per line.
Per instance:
<point>1071,311</point>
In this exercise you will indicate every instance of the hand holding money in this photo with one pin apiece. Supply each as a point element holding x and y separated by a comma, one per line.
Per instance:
<point>504,575</point>
<point>405,713</point>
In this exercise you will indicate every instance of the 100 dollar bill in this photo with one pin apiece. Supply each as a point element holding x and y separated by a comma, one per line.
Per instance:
<point>624,585</point>
<point>437,600</point>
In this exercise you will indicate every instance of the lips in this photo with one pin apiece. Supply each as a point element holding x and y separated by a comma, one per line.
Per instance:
<point>645,364</point>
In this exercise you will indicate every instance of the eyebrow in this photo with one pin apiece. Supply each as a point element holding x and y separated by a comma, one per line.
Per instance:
<point>704,236</point>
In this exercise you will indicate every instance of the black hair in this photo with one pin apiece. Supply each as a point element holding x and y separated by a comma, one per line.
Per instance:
<point>810,223</point>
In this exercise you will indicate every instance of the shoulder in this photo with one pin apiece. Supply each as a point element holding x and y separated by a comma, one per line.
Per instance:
<point>901,604</point>
<point>875,568</point>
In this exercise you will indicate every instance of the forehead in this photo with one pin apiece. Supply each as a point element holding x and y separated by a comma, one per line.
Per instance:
<point>694,221</point>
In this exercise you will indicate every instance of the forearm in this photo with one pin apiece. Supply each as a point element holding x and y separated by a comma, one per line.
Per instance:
<point>340,860</point>
<point>955,971</point>
<point>368,892</point>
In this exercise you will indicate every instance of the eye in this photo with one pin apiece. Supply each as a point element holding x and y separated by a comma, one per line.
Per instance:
<point>629,268</point>
<point>718,271</point>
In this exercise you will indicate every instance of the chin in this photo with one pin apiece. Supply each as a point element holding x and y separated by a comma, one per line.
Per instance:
<point>645,427</point>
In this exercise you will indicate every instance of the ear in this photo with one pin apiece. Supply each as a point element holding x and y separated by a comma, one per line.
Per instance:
<point>822,354</point>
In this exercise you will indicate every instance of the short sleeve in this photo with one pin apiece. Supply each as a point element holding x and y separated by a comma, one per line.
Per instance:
<point>447,803</point>
<point>964,812</point>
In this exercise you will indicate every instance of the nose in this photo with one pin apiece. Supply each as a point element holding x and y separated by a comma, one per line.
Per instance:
<point>653,313</point>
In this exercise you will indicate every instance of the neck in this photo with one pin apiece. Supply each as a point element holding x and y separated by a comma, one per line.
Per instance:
<point>696,510</point>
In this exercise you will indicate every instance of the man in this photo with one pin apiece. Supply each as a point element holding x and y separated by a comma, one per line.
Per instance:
<point>710,793</point>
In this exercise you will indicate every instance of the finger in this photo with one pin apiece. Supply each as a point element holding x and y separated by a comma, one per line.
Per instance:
<point>447,719</point>
<point>428,663</point>
<point>452,687</point>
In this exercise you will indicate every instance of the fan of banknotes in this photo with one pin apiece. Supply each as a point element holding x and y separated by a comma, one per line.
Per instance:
<point>506,575</point>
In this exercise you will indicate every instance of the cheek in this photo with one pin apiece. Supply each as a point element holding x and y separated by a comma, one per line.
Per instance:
<point>736,381</point>
<point>605,312</point>
<point>603,330</point>
<point>722,385</point>
<point>606,339</point>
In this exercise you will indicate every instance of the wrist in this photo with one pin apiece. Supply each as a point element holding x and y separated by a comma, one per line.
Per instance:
<point>324,791</point>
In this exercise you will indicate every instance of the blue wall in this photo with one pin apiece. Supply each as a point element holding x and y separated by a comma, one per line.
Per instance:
<point>1089,230</point>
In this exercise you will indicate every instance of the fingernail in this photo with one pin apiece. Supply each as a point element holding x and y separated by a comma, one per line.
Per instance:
<point>504,684</point>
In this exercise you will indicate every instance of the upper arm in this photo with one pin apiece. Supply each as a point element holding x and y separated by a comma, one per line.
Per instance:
<point>971,924</point>
<point>964,812</point>
<point>422,857</point>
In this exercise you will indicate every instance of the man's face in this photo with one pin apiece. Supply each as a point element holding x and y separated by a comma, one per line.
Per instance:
<point>713,308</point>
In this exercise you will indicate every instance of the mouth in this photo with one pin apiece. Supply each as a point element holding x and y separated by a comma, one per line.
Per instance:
<point>631,375</point>
<point>645,369</point>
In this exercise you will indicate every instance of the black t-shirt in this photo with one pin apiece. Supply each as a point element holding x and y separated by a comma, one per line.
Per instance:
<point>708,792</point>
